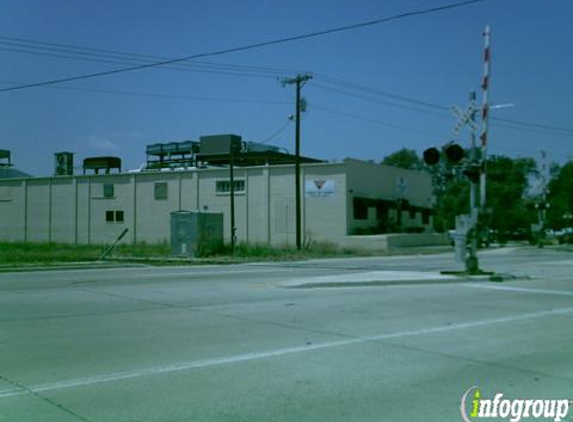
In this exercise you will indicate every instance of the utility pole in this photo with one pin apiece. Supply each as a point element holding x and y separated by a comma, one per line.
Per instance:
<point>232,195</point>
<point>299,81</point>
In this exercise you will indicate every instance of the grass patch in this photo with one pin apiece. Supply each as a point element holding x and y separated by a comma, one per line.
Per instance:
<point>143,250</point>
<point>16,253</point>
<point>20,252</point>
<point>287,252</point>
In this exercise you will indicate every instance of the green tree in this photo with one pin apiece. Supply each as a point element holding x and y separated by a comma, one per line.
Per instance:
<point>452,198</point>
<point>507,182</point>
<point>560,198</point>
<point>404,158</point>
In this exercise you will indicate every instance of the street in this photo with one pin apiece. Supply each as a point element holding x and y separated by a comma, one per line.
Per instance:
<point>284,341</point>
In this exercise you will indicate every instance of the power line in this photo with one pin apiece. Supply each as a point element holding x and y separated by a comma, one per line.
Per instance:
<point>201,68</point>
<point>378,101</point>
<point>252,46</point>
<point>533,125</point>
<point>108,53</point>
<point>374,91</point>
<point>160,95</point>
<point>378,122</point>
<point>277,133</point>
<point>508,123</point>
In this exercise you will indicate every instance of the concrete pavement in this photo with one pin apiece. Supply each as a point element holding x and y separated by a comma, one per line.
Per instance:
<point>232,344</point>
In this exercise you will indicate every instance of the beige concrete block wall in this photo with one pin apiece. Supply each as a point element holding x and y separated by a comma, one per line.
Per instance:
<point>12,211</point>
<point>63,218</point>
<point>38,218</point>
<point>379,181</point>
<point>188,191</point>
<point>73,209</point>
<point>83,201</point>
<point>210,200</point>
<point>374,181</point>
<point>152,220</point>
<point>102,231</point>
<point>282,206</point>
<point>257,206</point>
<point>324,217</point>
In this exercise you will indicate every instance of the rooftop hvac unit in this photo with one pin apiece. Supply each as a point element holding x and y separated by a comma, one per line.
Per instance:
<point>173,148</point>
<point>102,163</point>
<point>220,144</point>
<point>64,165</point>
<point>5,159</point>
<point>259,147</point>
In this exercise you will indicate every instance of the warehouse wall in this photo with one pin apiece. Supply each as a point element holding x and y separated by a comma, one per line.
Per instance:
<point>12,210</point>
<point>325,212</point>
<point>375,181</point>
<point>97,208</point>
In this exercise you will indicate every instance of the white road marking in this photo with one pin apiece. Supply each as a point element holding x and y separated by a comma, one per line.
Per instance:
<point>521,289</point>
<point>183,366</point>
<point>369,276</point>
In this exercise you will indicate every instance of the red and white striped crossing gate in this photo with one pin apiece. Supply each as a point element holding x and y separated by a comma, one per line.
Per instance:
<point>485,111</point>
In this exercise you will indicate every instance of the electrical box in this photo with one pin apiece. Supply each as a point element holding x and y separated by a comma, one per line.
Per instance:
<point>196,233</point>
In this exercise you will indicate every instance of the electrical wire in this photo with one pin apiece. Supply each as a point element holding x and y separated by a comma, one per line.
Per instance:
<point>213,69</point>
<point>251,46</point>
<point>498,121</point>
<point>278,132</point>
<point>108,53</point>
<point>378,122</point>
<point>378,101</point>
<point>374,91</point>
<point>160,95</point>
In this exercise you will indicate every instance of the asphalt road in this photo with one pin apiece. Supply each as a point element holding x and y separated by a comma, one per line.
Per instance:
<point>236,343</point>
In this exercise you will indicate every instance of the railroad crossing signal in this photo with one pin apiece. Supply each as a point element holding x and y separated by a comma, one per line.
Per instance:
<point>464,117</point>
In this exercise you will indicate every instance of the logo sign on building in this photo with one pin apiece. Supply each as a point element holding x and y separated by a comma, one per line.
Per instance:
<point>319,188</point>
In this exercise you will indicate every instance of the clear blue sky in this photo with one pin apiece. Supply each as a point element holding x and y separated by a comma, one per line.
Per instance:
<point>435,58</point>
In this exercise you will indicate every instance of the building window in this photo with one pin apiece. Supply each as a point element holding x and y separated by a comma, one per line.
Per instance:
<point>381,211</point>
<point>108,190</point>
<point>160,190</point>
<point>426,217</point>
<point>114,216</point>
<point>412,213</point>
<point>224,186</point>
<point>360,208</point>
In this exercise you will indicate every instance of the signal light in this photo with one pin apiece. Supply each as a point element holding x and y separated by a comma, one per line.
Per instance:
<point>454,153</point>
<point>431,156</point>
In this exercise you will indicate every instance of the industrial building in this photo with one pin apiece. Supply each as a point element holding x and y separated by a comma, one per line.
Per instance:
<point>338,200</point>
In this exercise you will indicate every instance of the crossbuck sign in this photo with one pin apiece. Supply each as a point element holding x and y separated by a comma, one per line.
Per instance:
<point>464,118</point>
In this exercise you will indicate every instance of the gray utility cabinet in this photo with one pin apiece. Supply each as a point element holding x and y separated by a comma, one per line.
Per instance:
<point>196,233</point>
